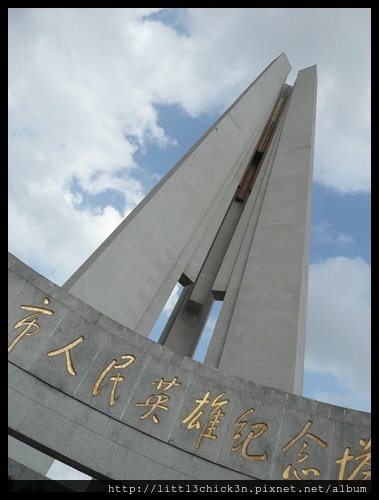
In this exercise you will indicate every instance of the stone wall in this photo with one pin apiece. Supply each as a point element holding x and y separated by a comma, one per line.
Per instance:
<point>114,404</point>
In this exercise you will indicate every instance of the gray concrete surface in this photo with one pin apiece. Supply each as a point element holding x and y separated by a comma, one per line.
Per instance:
<point>58,413</point>
<point>253,255</point>
<point>131,275</point>
<point>25,461</point>
<point>261,332</point>
<point>22,472</point>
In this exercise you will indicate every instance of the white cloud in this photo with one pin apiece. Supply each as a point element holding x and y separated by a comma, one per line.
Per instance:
<point>345,239</point>
<point>338,322</point>
<point>60,471</point>
<point>59,240</point>
<point>82,88</point>
<point>325,232</point>
<point>347,399</point>
<point>73,98</point>
<point>241,42</point>
<point>83,84</point>
<point>172,300</point>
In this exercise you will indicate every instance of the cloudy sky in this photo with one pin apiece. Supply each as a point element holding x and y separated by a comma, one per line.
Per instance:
<point>103,102</point>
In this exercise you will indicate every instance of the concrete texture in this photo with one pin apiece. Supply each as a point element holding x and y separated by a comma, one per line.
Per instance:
<point>250,252</point>
<point>34,463</point>
<point>260,334</point>
<point>131,275</point>
<point>22,472</point>
<point>62,418</point>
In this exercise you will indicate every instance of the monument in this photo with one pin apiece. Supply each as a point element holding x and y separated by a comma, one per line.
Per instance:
<point>229,222</point>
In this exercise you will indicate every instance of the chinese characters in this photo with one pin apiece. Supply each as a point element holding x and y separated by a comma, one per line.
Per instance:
<point>211,422</point>
<point>302,455</point>
<point>157,401</point>
<point>348,459</point>
<point>67,351</point>
<point>30,323</point>
<point>256,431</point>
<point>303,452</point>
<point>98,387</point>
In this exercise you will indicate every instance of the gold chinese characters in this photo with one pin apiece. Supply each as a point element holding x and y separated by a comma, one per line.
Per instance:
<point>98,387</point>
<point>30,323</point>
<point>206,414</point>
<point>211,422</point>
<point>157,401</point>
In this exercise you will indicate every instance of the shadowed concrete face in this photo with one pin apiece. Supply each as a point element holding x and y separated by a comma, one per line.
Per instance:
<point>260,333</point>
<point>162,416</point>
<point>231,220</point>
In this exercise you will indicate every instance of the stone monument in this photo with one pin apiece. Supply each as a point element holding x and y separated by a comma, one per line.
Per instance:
<point>230,222</point>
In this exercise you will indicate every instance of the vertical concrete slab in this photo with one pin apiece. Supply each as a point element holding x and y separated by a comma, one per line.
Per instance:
<point>125,274</point>
<point>265,341</point>
<point>246,430</point>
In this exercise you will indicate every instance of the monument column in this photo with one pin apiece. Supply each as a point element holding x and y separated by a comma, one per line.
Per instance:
<point>230,221</point>
<point>260,333</point>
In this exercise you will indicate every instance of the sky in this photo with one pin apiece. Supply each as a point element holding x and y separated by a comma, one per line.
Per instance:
<point>103,102</point>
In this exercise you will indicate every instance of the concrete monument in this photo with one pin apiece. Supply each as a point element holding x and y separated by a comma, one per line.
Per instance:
<point>229,222</point>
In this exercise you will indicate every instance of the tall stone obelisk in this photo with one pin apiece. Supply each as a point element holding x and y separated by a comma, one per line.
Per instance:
<point>229,222</point>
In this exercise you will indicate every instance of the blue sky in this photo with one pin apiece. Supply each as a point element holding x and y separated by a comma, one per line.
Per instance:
<point>340,229</point>
<point>103,102</point>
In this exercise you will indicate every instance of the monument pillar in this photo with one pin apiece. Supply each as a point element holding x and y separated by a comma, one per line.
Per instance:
<point>230,221</point>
